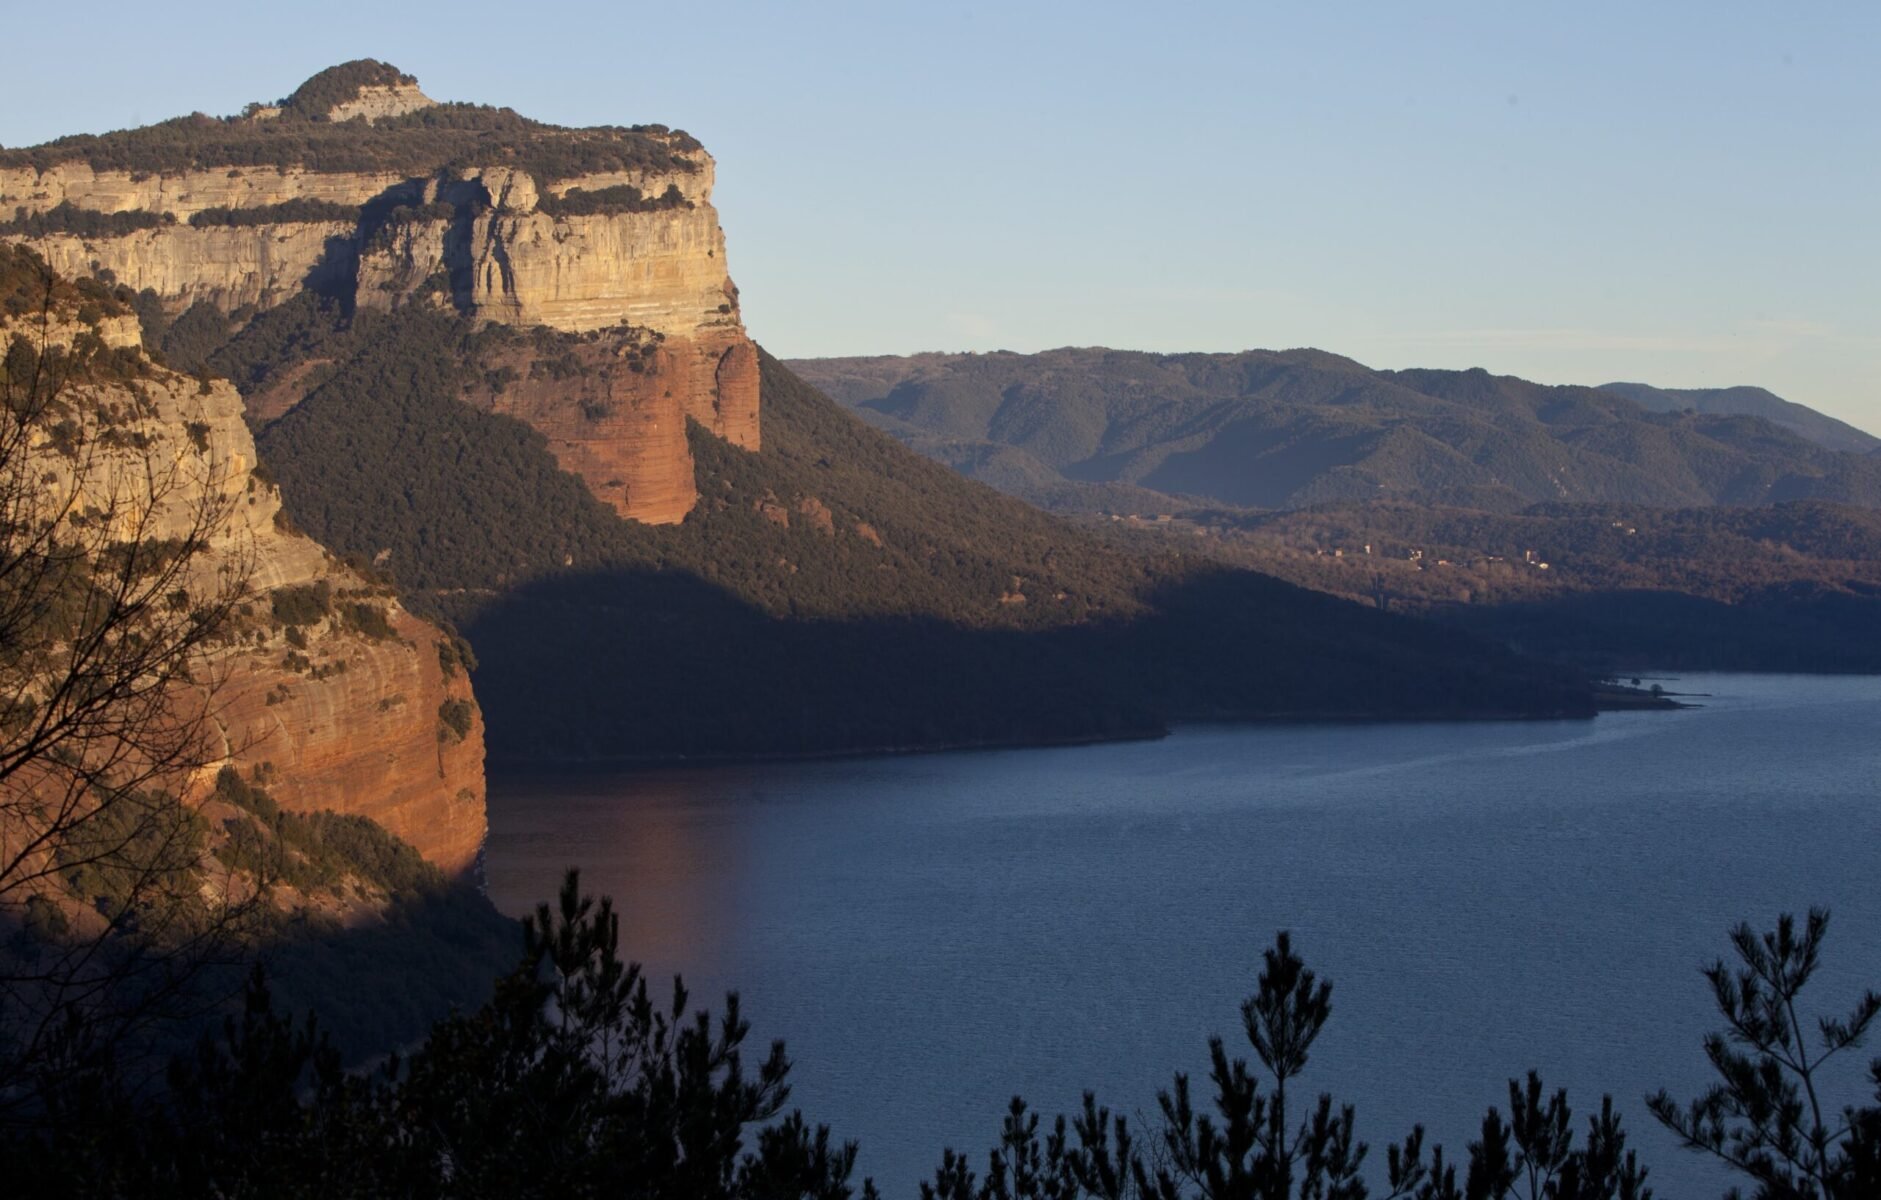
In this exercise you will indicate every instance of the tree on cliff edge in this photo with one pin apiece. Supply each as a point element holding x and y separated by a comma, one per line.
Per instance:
<point>110,605</point>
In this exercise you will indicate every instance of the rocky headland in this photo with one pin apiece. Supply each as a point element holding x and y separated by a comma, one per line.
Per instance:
<point>364,190</point>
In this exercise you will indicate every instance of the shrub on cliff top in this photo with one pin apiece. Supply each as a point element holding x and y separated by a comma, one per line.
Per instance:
<point>579,202</point>
<point>66,217</point>
<point>455,716</point>
<point>302,604</point>
<point>28,286</point>
<point>337,85</point>
<point>444,136</point>
<point>300,210</point>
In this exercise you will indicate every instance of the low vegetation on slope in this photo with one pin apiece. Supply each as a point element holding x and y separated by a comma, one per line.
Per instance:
<point>833,592</point>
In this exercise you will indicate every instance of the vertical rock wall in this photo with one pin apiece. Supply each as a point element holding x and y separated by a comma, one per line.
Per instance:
<point>353,709</point>
<point>658,268</point>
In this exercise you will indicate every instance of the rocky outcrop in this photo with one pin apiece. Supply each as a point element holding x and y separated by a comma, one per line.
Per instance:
<point>183,193</point>
<point>613,408</point>
<point>399,261</point>
<point>375,102</point>
<point>634,251</point>
<point>662,269</point>
<point>361,728</point>
<point>322,681</point>
<point>225,266</point>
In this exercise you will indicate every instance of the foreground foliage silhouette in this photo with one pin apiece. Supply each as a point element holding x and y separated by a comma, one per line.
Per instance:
<point>573,1082</point>
<point>1249,1149</point>
<point>123,569</point>
<point>1766,1117</point>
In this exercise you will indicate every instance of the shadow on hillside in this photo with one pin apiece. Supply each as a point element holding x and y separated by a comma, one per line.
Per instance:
<point>1806,626</point>
<point>382,983</point>
<point>660,665</point>
<point>639,664</point>
<point>375,986</point>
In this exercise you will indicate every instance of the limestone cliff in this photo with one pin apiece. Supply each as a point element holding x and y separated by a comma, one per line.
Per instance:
<point>321,679</point>
<point>576,230</point>
<point>376,102</point>
<point>227,267</point>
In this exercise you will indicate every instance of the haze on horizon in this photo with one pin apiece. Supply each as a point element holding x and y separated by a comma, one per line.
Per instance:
<point>1682,195</point>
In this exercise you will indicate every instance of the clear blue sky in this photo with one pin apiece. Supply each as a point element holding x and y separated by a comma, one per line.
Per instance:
<point>1687,194</point>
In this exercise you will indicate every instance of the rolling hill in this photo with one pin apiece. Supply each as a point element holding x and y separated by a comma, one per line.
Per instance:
<point>1288,429</point>
<point>1819,428</point>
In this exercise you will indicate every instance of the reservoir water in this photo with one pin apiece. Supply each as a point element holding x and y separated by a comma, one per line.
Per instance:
<point>932,934</point>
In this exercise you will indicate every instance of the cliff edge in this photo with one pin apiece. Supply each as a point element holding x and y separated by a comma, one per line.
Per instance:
<point>364,190</point>
<point>318,680</point>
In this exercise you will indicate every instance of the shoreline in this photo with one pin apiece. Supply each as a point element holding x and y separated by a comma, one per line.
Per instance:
<point>605,764</point>
<point>1610,698</point>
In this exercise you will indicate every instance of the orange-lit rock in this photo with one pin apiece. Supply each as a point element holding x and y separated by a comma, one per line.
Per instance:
<point>615,415</point>
<point>347,707</point>
<point>657,270</point>
<point>367,739</point>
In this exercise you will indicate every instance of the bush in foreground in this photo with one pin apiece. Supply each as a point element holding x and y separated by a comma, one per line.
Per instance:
<point>573,1082</point>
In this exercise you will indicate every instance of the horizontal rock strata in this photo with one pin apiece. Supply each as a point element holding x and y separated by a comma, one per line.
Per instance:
<point>492,241</point>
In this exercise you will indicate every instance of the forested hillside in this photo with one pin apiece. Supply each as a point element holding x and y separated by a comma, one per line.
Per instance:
<point>1787,587</point>
<point>1286,429</point>
<point>831,592</point>
<point>1818,427</point>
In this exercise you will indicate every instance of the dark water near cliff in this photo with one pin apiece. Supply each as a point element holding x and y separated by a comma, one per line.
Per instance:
<point>931,934</point>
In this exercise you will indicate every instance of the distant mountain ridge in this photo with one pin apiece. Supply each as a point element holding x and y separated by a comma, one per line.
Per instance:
<point>1289,429</point>
<point>1819,428</point>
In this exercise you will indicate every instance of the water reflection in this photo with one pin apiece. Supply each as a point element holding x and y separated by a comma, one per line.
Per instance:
<point>664,854</point>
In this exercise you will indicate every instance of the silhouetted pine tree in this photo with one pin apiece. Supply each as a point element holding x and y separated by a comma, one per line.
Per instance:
<point>1766,1117</point>
<point>1248,1148</point>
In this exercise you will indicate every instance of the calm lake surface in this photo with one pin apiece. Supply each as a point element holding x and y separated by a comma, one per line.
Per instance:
<point>931,934</point>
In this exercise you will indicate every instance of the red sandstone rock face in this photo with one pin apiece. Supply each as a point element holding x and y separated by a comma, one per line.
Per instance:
<point>368,739</point>
<point>613,408</point>
<point>349,721</point>
<point>735,400</point>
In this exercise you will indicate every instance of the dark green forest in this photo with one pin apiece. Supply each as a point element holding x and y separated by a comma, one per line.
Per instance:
<point>932,611</point>
<point>66,217</point>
